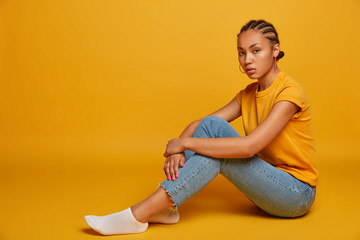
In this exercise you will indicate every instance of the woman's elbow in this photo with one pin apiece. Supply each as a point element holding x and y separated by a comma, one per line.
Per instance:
<point>250,150</point>
<point>248,153</point>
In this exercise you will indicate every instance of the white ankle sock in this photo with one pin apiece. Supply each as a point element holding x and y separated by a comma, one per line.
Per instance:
<point>122,222</point>
<point>168,216</point>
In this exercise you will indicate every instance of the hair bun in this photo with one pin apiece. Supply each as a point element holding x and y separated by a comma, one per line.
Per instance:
<point>281,55</point>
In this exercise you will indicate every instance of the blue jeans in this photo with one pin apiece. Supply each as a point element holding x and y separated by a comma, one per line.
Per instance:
<point>274,191</point>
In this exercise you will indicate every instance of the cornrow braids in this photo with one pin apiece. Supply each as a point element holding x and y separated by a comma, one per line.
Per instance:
<point>266,29</point>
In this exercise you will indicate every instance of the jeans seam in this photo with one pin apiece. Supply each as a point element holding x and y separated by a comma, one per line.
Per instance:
<point>303,204</point>
<point>277,180</point>
<point>192,175</point>
<point>173,204</point>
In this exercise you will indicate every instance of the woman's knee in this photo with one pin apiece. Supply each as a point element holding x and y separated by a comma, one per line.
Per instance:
<point>212,119</point>
<point>209,127</point>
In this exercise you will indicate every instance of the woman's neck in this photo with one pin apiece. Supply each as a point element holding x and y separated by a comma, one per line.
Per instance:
<point>266,80</point>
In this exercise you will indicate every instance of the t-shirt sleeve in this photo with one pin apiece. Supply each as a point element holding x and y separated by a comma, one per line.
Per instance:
<point>295,94</point>
<point>238,96</point>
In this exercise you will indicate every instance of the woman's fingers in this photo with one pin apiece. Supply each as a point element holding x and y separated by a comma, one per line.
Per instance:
<point>171,166</point>
<point>174,166</point>
<point>182,160</point>
<point>167,169</point>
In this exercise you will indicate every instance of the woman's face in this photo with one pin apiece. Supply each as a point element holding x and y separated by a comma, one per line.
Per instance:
<point>256,56</point>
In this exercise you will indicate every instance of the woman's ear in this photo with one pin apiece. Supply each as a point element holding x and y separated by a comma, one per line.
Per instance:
<point>276,50</point>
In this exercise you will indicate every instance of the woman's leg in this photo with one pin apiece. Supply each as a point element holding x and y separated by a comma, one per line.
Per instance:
<point>197,172</point>
<point>275,191</point>
<point>155,203</point>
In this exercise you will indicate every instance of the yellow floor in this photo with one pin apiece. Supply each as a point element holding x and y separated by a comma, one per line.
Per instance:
<point>48,201</point>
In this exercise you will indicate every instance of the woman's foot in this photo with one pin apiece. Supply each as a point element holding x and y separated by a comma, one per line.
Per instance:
<point>155,208</point>
<point>167,216</point>
<point>122,222</point>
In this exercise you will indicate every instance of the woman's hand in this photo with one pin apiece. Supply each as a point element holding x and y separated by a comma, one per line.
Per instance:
<point>175,145</point>
<point>171,166</point>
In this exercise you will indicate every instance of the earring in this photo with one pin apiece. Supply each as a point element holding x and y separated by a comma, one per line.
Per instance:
<point>275,63</point>
<point>240,69</point>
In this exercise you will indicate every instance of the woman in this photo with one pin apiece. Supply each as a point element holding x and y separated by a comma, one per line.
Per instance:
<point>273,165</point>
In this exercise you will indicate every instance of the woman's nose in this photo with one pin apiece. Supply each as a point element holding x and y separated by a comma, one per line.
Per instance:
<point>248,59</point>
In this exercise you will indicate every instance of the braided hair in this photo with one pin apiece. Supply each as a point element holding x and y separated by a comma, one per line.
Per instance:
<point>266,29</point>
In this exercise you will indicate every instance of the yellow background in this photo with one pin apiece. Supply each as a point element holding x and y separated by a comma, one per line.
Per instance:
<point>91,91</point>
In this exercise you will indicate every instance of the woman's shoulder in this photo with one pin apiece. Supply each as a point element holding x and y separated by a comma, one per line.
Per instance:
<point>288,81</point>
<point>251,87</point>
<point>291,90</point>
<point>246,92</point>
<point>248,89</point>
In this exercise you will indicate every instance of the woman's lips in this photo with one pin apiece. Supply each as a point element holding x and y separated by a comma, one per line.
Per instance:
<point>250,70</point>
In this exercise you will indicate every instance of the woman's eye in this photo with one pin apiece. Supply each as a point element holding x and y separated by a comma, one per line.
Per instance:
<point>257,50</point>
<point>241,53</point>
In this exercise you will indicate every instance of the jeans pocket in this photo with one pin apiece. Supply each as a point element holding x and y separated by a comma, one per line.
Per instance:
<point>309,198</point>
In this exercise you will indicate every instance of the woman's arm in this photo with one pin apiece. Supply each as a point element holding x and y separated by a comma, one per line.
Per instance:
<point>229,112</point>
<point>239,147</point>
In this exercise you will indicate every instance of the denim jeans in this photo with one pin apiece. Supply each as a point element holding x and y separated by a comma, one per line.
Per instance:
<point>273,190</point>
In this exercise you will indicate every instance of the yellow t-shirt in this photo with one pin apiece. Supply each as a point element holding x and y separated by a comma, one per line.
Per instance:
<point>293,150</point>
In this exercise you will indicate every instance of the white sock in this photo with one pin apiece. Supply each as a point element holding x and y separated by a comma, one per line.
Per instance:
<point>122,222</point>
<point>168,216</point>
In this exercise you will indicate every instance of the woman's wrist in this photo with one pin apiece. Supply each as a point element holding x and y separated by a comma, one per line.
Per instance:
<point>186,143</point>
